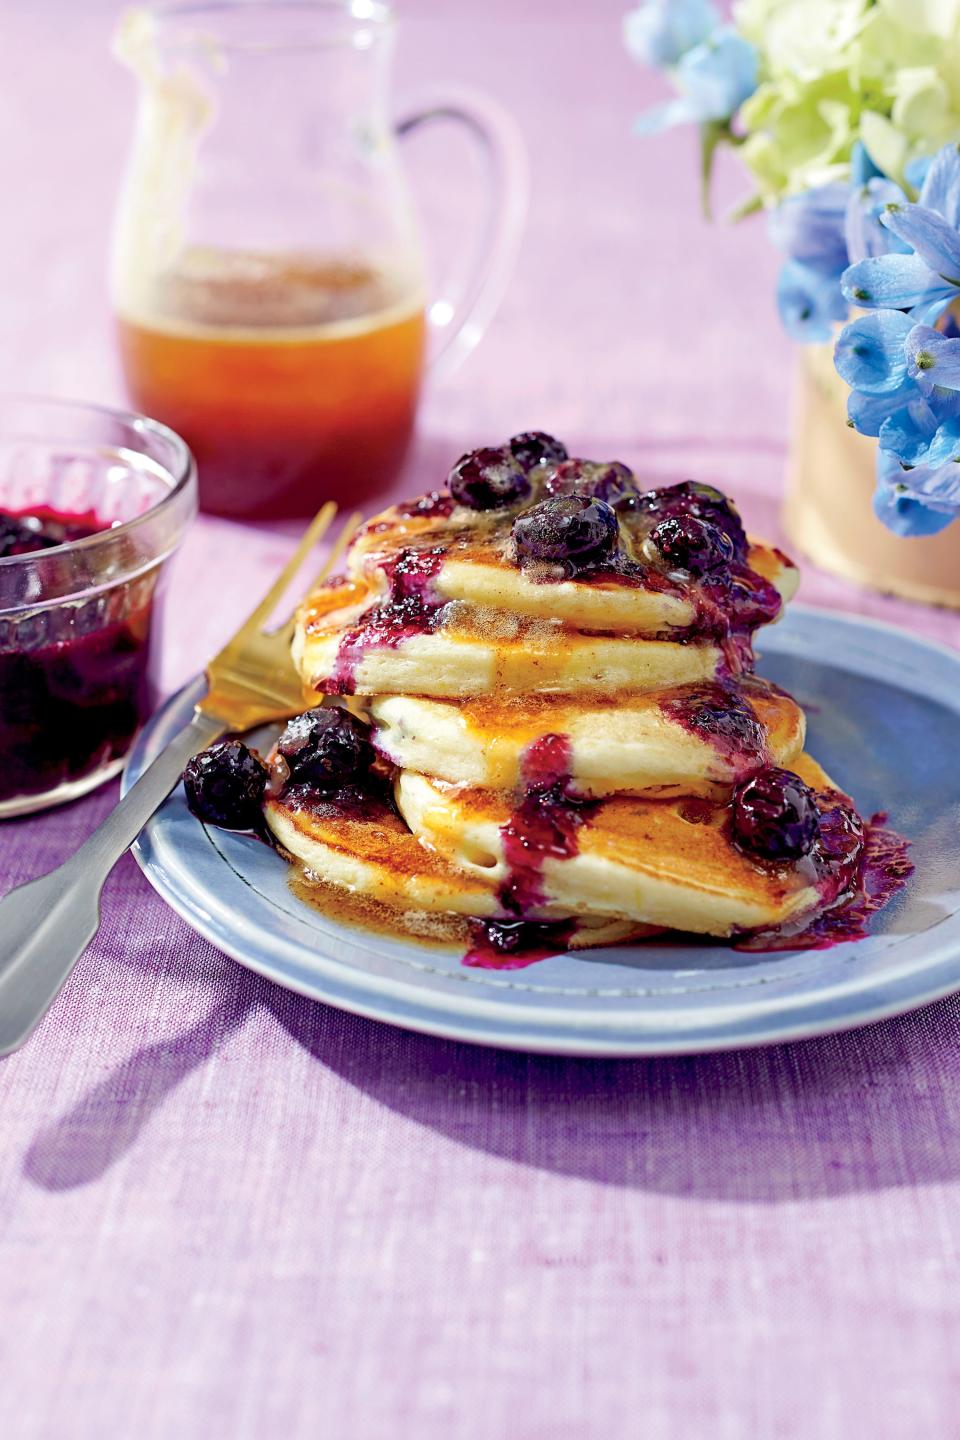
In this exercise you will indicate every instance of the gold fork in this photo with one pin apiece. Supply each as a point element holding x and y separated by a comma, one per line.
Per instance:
<point>46,925</point>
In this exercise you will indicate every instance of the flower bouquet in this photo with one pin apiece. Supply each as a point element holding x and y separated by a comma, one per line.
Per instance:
<point>846,115</point>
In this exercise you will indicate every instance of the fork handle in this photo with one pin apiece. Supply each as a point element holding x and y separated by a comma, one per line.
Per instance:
<point>47,924</point>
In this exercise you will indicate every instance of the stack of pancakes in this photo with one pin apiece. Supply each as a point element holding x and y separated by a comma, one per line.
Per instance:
<point>555,744</point>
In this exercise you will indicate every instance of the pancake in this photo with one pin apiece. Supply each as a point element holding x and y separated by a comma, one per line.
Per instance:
<point>665,863</point>
<point>477,567</point>
<point>344,645</point>
<point>628,745</point>
<point>362,846</point>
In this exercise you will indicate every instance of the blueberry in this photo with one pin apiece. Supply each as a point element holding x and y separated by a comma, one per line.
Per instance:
<point>536,447</point>
<point>570,528</point>
<point>685,543</point>
<point>719,714</point>
<point>326,748</point>
<point>704,502</point>
<point>775,815</point>
<point>225,786</point>
<point>489,479</point>
<point>23,536</point>
<point>607,480</point>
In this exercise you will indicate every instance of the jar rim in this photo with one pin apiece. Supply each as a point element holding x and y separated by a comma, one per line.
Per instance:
<point>182,471</point>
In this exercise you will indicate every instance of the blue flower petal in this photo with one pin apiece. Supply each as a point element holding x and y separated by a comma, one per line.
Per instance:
<point>917,171</point>
<point>908,435</point>
<point>659,32</point>
<point>866,413</point>
<point>716,77</point>
<point>934,240</point>
<point>809,301</point>
<point>902,510</point>
<point>862,166</point>
<point>929,312</point>
<point>932,359</point>
<point>941,187</point>
<point>870,355</point>
<point>663,117</point>
<point>865,236</point>
<point>909,517</point>
<point>944,448</point>
<point>810,227</point>
<point>893,282</point>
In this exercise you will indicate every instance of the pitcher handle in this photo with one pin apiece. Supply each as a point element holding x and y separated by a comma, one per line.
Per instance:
<point>461,322</point>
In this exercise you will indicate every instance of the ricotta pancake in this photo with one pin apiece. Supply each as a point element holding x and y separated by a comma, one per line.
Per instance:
<point>693,740</point>
<point>345,644</point>
<point>668,863</point>
<point>476,564</point>
<point>358,843</point>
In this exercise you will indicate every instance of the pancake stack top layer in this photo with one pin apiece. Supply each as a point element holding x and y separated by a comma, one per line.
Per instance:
<point>558,671</point>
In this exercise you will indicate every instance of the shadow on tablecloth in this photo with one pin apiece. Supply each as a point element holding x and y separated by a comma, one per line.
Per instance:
<point>868,1110</point>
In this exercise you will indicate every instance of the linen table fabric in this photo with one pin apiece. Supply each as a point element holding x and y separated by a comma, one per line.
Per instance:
<point>227,1211</point>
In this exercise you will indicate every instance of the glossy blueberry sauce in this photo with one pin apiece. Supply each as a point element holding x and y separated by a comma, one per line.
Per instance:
<point>544,825</point>
<point>859,867</point>
<point>515,944</point>
<point>719,715</point>
<point>434,504</point>
<point>28,532</point>
<point>357,800</point>
<point>73,690</point>
<point>412,608</point>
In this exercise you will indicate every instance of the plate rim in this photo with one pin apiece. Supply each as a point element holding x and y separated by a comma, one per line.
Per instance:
<point>488,1022</point>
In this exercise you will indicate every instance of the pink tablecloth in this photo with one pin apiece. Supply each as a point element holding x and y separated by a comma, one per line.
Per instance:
<point>229,1213</point>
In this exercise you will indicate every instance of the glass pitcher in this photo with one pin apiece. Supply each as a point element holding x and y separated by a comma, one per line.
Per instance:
<point>267,272</point>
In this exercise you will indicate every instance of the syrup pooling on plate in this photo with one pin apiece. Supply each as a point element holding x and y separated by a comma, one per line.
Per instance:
<point>566,741</point>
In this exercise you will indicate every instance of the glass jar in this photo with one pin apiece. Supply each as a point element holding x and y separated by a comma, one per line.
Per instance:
<point>108,497</point>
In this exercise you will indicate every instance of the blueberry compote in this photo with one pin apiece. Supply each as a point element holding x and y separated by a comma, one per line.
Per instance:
<point>856,867</point>
<point>719,715</point>
<point>411,608</point>
<point>544,826</point>
<point>323,761</point>
<point>75,678</point>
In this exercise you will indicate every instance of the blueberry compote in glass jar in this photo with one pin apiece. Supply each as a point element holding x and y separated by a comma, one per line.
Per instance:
<point>92,504</point>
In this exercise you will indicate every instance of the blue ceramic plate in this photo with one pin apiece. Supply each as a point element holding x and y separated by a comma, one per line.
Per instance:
<point>884,720</point>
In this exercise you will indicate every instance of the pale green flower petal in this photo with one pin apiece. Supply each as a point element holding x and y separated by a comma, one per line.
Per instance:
<point>835,72</point>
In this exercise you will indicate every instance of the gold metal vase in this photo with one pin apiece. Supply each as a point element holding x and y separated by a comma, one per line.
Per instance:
<point>829,516</point>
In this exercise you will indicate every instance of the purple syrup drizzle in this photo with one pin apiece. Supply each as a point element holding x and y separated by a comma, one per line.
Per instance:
<point>412,608</point>
<point>860,867</point>
<point>719,715</point>
<point>435,503</point>
<point>515,944</point>
<point>544,826</point>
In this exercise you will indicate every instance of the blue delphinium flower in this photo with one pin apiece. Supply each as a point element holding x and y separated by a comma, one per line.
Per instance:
<point>920,501</point>
<point>713,78</point>
<point>904,373</point>
<point>866,235</point>
<point>809,229</point>
<point>660,32</point>
<point>923,276</point>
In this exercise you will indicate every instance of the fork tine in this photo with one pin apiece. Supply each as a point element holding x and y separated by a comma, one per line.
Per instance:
<point>317,528</point>
<point>347,533</point>
<point>339,546</point>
